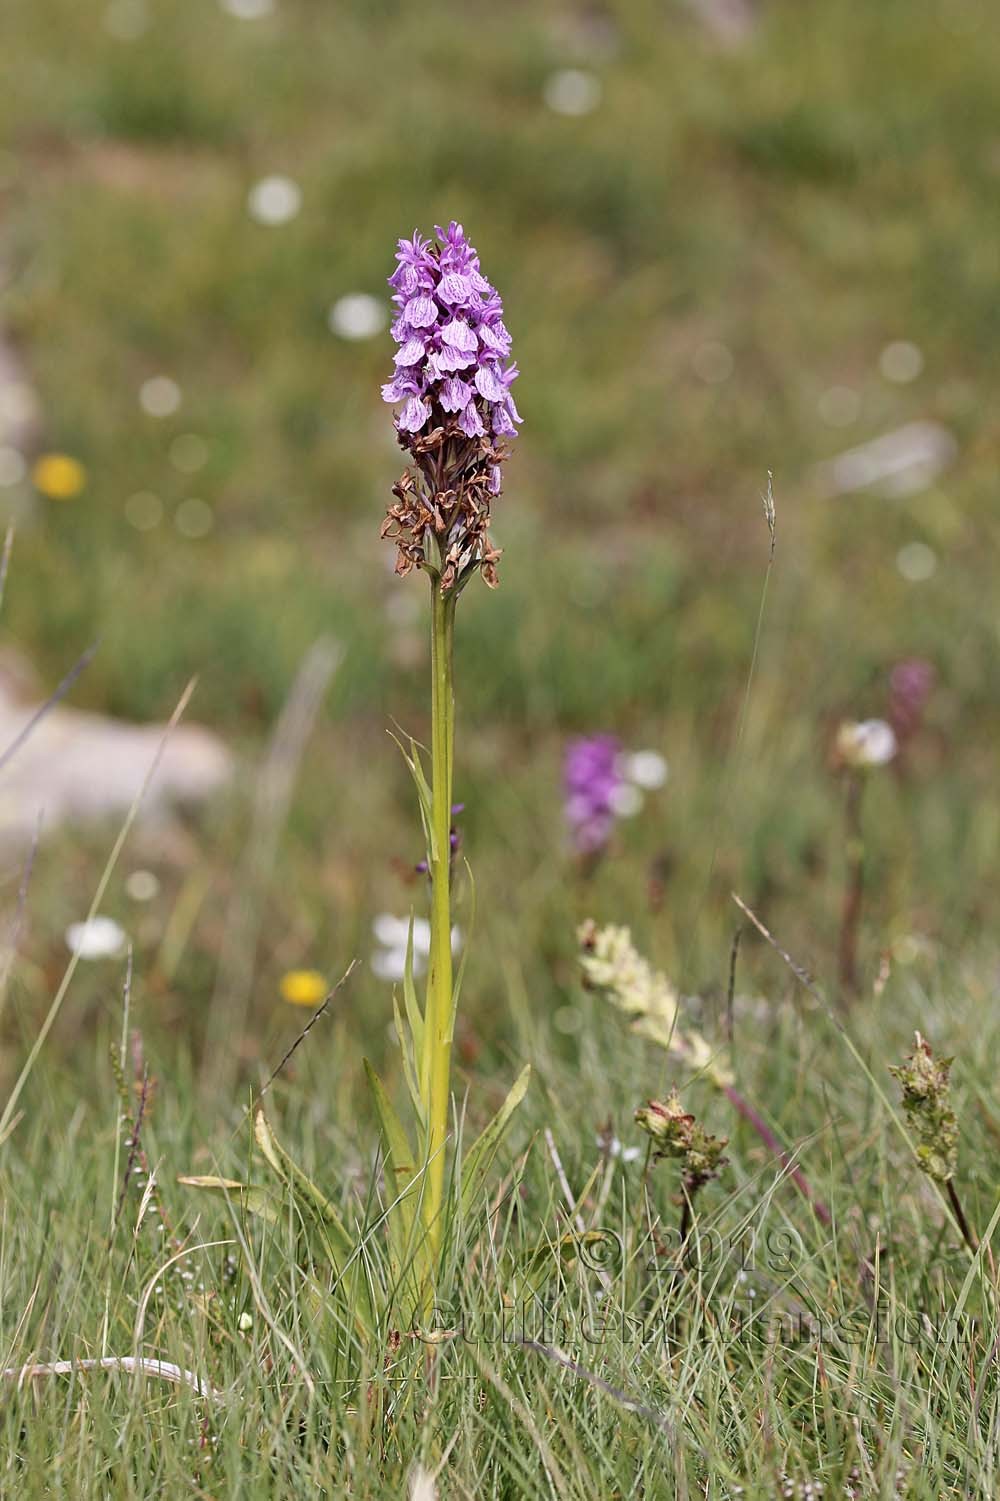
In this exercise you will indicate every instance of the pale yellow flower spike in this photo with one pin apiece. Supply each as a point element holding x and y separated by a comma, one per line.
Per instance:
<point>612,965</point>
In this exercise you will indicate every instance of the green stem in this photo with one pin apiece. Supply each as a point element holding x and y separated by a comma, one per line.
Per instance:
<point>438,1016</point>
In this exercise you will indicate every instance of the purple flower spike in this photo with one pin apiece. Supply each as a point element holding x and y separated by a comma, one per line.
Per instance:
<point>453,379</point>
<point>591,778</point>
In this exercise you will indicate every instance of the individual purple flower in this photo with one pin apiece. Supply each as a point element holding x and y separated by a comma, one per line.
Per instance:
<point>591,778</point>
<point>454,384</point>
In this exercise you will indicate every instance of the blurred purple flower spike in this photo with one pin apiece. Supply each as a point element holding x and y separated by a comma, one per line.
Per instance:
<point>911,683</point>
<point>591,778</point>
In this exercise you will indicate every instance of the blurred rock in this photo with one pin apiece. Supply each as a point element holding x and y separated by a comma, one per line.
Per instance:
<point>75,767</point>
<point>902,462</point>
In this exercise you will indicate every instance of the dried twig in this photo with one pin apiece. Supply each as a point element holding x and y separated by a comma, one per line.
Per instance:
<point>137,1364</point>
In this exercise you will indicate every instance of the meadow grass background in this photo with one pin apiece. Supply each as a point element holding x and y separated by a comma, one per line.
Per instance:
<point>804,199</point>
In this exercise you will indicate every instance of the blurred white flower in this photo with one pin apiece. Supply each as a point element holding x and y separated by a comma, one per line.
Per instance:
<point>274,200</point>
<point>615,1149</point>
<point>19,405</point>
<point>357,316</point>
<point>144,510</point>
<point>142,886</point>
<point>193,518</point>
<point>916,562</point>
<point>100,938</point>
<point>866,743</point>
<point>159,396</point>
<point>391,934</point>
<point>901,361</point>
<point>189,453</point>
<point>12,466</point>
<point>625,800</point>
<point>390,964</point>
<point>572,91</point>
<point>646,768</point>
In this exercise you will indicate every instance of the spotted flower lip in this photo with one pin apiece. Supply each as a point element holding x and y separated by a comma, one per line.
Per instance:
<point>453,389</point>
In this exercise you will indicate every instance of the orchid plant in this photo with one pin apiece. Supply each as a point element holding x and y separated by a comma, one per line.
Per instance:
<point>452,384</point>
<point>453,377</point>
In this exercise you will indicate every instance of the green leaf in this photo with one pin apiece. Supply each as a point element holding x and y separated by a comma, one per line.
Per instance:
<point>457,990</point>
<point>399,1153</point>
<point>414,1015</point>
<point>409,1062</point>
<point>573,1253</point>
<point>254,1197</point>
<point>413,761</point>
<point>287,1168</point>
<point>341,1247</point>
<point>402,1214</point>
<point>479,1158</point>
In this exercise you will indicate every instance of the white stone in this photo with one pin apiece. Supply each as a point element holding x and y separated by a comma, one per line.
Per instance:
<point>77,767</point>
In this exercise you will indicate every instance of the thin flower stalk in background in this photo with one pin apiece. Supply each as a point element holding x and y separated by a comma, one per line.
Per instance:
<point>860,747</point>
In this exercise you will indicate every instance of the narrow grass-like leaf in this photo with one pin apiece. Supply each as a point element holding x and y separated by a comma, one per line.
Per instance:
<point>409,1062</point>
<point>413,761</point>
<point>400,1155</point>
<point>341,1246</point>
<point>465,947</point>
<point>254,1197</point>
<point>414,1015</point>
<point>401,1163</point>
<point>480,1155</point>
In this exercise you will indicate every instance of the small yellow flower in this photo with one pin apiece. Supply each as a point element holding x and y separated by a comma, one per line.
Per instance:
<point>303,987</point>
<point>58,476</point>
